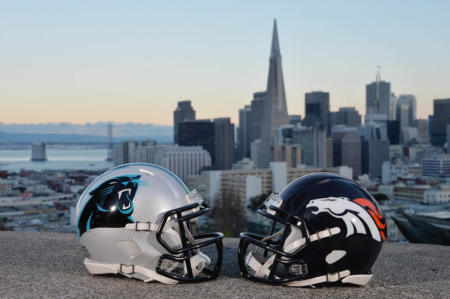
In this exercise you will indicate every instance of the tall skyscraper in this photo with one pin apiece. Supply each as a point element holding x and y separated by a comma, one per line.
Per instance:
<point>250,119</point>
<point>351,152</point>
<point>378,95</point>
<point>125,152</point>
<point>423,127</point>
<point>375,148</point>
<point>256,117</point>
<point>317,109</point>
<point>406,110</point>
<point>440,120</point>
<point>198,132</point>
<point>402,115</point>
<point>224,143</point>
<point>183,112</point>
<point>275,108</point>
<point>393,107</point>
<point>109,156</point>
<point>313,141</point>
<point>244,132</point>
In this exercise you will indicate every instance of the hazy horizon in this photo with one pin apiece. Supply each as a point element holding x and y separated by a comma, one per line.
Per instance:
<point>131,62</point>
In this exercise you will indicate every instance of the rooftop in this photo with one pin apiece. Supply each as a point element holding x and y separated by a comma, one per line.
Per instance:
<point>50,265</point>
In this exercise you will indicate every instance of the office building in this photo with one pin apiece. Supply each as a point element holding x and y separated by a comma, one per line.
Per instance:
<point>181,160</point>
<point>378,96</point>
<point>329,142</point>
<point>275,109</point>
<point>438,166</point>
<point>448,138</point>
<point>391,172</point>
<point>198,132</point>
<point>250,119</point>
<point>406,110</point>
<point>393,131</point>
<point>256,117</point>
<point>125,152</point>
<point>183,112</point>
<point>244,132</point>
<point>317,109</point>
<point>403,115</point>
<point>313,141</point>
<point>351,151</point>
<point>347,116</point>
<point>423,127</point>
<point>393,107</point>
<point>289,153</point>
<point>440,120</point>
<point>38,152</point>
<point>295,119</point>
<point>347,148</point>
<point>375,148</point>
<point>224,143</point>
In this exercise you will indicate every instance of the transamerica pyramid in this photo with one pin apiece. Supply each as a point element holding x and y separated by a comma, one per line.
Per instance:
<point>275,108</point>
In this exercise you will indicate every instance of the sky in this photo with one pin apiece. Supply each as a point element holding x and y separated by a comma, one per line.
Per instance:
<point>131,61</point>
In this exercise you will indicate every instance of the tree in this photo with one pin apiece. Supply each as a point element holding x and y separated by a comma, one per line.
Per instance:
<point>256,201</point>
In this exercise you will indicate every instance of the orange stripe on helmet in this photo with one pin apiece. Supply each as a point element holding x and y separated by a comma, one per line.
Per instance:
<point>377,221</point>
<point>365,203</point>
<point>374,214</point>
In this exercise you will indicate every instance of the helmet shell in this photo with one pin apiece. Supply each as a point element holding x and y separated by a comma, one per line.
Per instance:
<point>135,192</point>
<point>325,200</point>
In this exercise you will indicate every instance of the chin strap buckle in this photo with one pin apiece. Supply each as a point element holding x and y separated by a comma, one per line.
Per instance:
<point>126,269</point>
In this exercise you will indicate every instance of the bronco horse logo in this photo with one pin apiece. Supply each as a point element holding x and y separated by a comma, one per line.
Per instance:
<point>354,213</point>
<point>110,204</point>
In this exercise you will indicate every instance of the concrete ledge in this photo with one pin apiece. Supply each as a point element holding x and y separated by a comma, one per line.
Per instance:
<point>50,265</point>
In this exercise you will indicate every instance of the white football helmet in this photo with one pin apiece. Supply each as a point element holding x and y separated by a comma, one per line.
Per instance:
<point>136,220</point>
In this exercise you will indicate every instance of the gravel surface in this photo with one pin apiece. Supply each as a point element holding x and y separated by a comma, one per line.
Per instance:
<point>50,265</point>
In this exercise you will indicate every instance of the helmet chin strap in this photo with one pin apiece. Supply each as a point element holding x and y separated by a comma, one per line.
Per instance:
<point>199,261</point>
<point>262,270</point>
<point>129,271</point>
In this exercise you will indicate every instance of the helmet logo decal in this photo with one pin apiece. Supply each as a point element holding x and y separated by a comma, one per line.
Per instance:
<point>377,218</point>
<point>357,215</point>
<point>110,204</point>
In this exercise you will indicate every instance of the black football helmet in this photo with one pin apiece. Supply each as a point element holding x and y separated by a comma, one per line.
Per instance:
<point>324,229</point>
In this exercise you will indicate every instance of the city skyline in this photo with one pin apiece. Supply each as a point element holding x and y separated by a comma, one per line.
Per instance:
<point>101,65</point>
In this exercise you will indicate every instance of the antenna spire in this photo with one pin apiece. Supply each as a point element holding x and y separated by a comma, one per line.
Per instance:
<point>378,78</point>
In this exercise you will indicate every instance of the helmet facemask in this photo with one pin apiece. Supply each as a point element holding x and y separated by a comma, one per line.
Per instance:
<point>279,256</point>
<point>184,260</point>
<point>260,257</point>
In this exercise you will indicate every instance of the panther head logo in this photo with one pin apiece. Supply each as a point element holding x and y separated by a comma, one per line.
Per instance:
<point>110,204</point>
<point>354,213</point>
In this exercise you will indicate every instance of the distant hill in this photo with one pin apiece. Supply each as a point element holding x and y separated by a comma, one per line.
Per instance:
<point>82,133</point>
